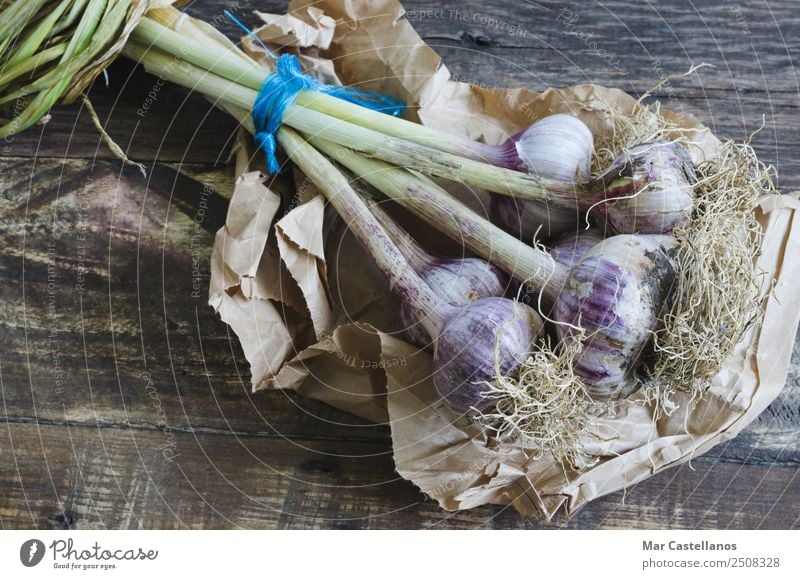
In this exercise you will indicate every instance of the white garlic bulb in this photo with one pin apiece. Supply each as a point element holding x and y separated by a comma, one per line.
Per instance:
<point>557,148</point>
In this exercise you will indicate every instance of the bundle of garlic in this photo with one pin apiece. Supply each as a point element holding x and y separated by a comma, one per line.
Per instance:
<point>651,305</point>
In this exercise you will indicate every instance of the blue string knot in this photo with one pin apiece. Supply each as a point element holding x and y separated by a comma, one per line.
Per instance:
<point>279,90</point>
<point>275,96</point>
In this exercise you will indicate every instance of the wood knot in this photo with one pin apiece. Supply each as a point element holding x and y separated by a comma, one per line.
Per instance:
<point>66,520</point>
<point>476,37</point>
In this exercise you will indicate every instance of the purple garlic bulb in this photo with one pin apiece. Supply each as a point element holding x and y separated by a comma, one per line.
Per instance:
<point>616,293</point>
<point>558,148</point>
<point>570,249</point>
<point>457,282</point>
<point>523,218</point>
<point>649,189</point>
<point>472,339</point>
<point>454,281</point>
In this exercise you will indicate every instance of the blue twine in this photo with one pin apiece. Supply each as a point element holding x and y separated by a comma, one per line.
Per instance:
<point>280,89</point>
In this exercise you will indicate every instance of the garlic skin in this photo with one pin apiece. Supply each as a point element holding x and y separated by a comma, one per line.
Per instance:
<point>524,219</point>
<point>648,189</point>
<point>487,331</point>
<point>558,148</point>
<point>570,249</point>
<point>458,282</point>
<point>616,293</point>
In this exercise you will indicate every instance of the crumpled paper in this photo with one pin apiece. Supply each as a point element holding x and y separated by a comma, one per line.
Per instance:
<point>314,315</point>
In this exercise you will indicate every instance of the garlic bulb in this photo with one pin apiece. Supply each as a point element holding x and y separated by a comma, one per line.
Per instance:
<point>648,189</point>
<point>558,148</point>
<point>524,218</point>
<point>616,292</point>
<point>458,281</point>
<point>488,336</point>
<point>570,249</point>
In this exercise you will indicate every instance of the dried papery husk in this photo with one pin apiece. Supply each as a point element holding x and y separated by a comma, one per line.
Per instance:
<point>643,124</point>
<point>545,406</point>
<point>718,290</point>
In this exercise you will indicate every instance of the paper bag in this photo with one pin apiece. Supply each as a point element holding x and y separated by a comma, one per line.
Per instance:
<point>314,315</point>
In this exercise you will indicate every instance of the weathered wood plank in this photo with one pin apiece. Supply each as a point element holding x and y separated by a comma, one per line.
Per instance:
<point>101,321</point>
<point>624,42</point>
<point>109,478</point>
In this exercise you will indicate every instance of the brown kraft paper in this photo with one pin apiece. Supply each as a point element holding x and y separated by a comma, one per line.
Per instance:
<point>313,314</point>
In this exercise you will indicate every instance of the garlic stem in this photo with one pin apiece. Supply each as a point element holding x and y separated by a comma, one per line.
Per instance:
<point>408,246</point>
<point>243,71</point>
<point>402,278</point>
<point>400,151</point>
<point>431,161</point>
<point>433,204</point>
<point>237,99</point>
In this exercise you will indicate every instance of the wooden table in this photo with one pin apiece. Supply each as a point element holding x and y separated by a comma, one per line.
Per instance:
<point>126,404</point>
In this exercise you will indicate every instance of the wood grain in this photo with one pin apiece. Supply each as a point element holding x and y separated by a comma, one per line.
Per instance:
<point>110,360</point>
<point>93,354</point>
<point>121,478</point>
